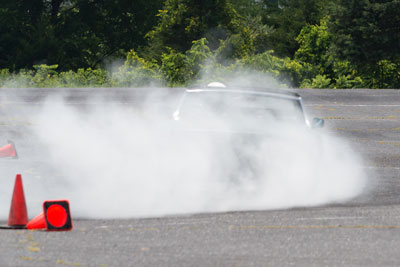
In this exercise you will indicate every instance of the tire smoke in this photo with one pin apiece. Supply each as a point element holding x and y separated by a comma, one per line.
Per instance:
<point>114,160</point>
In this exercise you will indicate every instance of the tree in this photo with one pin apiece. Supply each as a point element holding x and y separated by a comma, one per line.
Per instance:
<point>326,69</point>
<point>248,7</point>
<point>366,33</point>
<point>250,38</point>
<point>24,35</point>
<point>314,42</point>
<point>288,17</point>
<point>72,34</point>
<point>182,21</point>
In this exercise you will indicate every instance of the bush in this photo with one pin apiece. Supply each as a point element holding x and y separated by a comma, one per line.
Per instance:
<point>175,68</point>
<point>306,83</point>
<point>44,76</point>
<point>264,62</point>
<point>5,75</point>
<point>345,76</point>
<point>84,78</point>
<point>197,56</point>
<point>321,81</point>
<point>386,74</point>
<point>21,79</point>
<point>295,72</point>
<point>136,72</point>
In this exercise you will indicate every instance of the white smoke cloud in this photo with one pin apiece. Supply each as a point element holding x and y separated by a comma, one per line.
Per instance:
<point>119,161</point>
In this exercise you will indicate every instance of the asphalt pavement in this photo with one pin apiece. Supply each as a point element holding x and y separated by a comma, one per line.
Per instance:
<point>364,231</point>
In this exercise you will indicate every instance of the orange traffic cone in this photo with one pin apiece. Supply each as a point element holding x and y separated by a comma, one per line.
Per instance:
<point>18,213</point>
<point>55,217</point>
<point>8,150</point>
<point>39,222</point>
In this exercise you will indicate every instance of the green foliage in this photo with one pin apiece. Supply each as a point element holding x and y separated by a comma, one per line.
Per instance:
<point>44,76</point>
<point>248,7</point>
<point>288,17</point>
<point>251,38</point>
<point>303,43</point>
<point>179,69</point>
<point>47,76</point>
<point>321,81</point>
<point>136,72</point>
<point>367,35</point>
<point>294,73</point>
<point>306,83</point>
<point>236,46</point>
<point>72,34</point>
<point>366,31</point>
<point>264,62</point>
<point>5,75</point>
<point>324,68</point>
<point>346,81</point>
<point>175,68</point>
<point>314,43</point>
<point>345,75</point>
<point>84,78</point>
<point>198,56</point>
<point>21,79</point>
<point>386,74</point>
<point>182,21</point>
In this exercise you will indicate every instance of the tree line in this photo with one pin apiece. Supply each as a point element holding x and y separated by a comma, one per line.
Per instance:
<point>302,43</point>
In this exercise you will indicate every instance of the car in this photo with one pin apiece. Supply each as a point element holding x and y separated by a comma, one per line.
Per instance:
<point>241,127</point>
<point>236,109</point>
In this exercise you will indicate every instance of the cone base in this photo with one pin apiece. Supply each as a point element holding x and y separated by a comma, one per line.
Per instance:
<point>14,227</point>
<point>17,226</point>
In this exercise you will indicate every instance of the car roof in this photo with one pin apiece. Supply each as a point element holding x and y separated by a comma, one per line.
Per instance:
<point>278,93</point>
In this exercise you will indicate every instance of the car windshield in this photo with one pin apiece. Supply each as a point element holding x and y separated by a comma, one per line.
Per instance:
<point>234,111</point>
